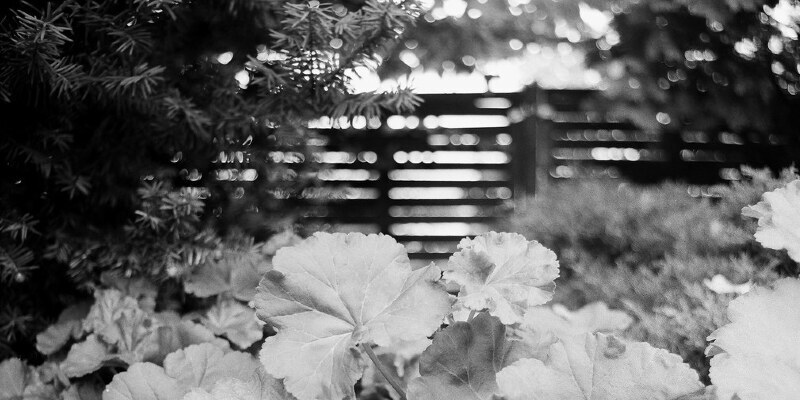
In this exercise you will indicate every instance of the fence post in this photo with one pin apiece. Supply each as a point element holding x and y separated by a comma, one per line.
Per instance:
<point>529,152</point>
<point>385,163</point>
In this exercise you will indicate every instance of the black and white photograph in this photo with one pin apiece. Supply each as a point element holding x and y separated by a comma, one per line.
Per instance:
<point>400,200</point>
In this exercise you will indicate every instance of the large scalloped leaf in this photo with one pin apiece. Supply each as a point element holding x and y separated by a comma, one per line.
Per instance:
<point>237,274</point>
<point>12,378</point>
<point>69,325</point>
<point>503,273</point>
<point>757,355</point>
<point>198,367</point>
<point>177,333</point>
<point>280,240</point>
<point>333,292</point>
<point>778,216</point>
<point>141,289</point>
<point>119,321</point>
<point>463,361</point>
<point>84,357</point>
<point>143,381</point>
<point>543,325</point>
<point>593,317</point>
<point>82,391</point>
<point>599,367</point>
<point>235,321</point>
<point>109,307</point>
<point>202,365</point>
<point>261,386</point>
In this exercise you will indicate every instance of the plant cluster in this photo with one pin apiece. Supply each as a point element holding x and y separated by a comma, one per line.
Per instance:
<point>670,260</point>
<point>139,136</point>
<point>334,299</point>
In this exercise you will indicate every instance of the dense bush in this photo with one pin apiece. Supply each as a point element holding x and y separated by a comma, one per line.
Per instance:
<point>649,250</point>
<point>133,132</point>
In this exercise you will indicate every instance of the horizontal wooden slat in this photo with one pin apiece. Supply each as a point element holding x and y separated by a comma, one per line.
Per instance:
<point>567,144</point>
<point>402,202</point>
<point>566,99</point>
<point>461,103</point>
<point>368,137</point>
<point>417,238</point>
<point>422,184</point>
<point>587,125</point>
<point>429,256</point>
<point>365,219</point>
<point>394,165</point>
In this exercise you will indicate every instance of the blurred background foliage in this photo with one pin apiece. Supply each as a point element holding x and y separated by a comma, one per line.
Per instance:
<point>655,252</point>
<point>665,64</point>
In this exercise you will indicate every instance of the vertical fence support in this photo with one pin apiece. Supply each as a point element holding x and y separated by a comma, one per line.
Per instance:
<point>529,153</point>
<point>383,185</point>
<point>543,142</point>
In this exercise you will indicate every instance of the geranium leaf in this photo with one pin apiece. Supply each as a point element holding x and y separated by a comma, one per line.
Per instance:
<point>202,365</point>
<point>246,276</point>
<point>403,354</point>
<point>463,361</point>
<point>757,355</point>
<point>56,336</point>
<point>280,240</point>
<point>599,367</point>
<point>141,289</point>
<point>176,333</point>
<point>12,378</point>
<point>143,381</point>
<point>543,325</point>
<point>83,391</point>
<point>20,381</point>
<point>235,321</point>
<point>261,386</point>
<point>118,320</point>
<point>69,325</point>
<point>502,273</point>
<point>108,307</point>
<point>198,368</point>
<point>591,318</point>
<point>778,216</point>
<point>333,292</point>
<point>237,274</point>
<point>209,279</point>
<point>84,357</point>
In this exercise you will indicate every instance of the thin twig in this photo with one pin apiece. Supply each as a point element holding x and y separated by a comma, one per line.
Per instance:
<point>382,368</point>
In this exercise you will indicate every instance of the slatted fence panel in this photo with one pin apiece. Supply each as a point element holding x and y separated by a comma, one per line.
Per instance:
<point>428,179</point>
<point>580,142</point>
<point>452,168</point>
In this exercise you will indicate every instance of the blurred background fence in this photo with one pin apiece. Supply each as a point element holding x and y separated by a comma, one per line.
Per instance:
<point>429,178</point>
<point>462,160</point>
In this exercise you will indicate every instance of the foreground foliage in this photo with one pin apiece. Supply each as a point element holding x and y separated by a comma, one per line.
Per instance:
<point>670,260</point>
<point>334,299</point>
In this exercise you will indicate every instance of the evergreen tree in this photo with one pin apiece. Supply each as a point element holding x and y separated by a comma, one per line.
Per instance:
<point>137,134</point>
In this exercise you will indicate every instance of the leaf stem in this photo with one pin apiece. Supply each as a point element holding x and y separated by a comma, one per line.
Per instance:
<point>471,315</point>
<point>382,368</point>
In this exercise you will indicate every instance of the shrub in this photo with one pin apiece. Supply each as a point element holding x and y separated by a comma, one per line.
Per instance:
<point>649,250</point>
<point>132,130</point>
